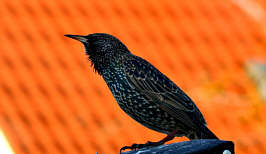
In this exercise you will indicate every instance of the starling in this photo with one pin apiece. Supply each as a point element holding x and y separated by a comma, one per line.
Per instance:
<point>143,92</point>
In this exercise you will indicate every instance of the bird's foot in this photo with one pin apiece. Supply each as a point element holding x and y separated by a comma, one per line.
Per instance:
<point>140,146</point>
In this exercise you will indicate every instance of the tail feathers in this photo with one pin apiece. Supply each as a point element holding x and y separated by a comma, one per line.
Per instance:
<point>203,133</point>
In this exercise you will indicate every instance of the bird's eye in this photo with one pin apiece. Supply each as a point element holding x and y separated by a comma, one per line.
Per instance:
<point>98,42</point>
<point>96,45</point>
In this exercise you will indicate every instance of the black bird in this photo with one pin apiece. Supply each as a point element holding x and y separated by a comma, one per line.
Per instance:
<point>143,92</point>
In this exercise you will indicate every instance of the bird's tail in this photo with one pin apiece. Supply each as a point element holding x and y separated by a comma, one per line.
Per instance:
<point>203,133</point>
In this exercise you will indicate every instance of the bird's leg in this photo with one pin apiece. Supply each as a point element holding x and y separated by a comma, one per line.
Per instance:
<point>150,144</point>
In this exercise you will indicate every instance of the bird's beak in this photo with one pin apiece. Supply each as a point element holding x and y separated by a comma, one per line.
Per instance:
<point>80,38</point>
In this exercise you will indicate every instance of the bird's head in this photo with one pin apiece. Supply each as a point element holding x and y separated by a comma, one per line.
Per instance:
<point>103,49</point>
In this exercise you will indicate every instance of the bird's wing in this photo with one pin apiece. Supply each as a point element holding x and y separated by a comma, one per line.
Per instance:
<point>157,88</point>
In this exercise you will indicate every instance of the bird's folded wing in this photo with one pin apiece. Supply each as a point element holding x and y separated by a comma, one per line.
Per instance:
<point>171,99</point>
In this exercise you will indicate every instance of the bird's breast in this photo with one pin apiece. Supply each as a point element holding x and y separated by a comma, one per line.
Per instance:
<point>119,86</point>
<point>135,105</point>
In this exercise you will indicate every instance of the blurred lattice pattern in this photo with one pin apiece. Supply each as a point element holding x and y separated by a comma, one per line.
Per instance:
<point>52,102</point>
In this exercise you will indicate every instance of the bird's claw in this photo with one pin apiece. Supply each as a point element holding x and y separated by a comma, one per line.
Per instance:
<point>132,147</point>
<point>139,146</point>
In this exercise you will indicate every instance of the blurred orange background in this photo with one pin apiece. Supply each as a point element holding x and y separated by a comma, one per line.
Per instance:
<point>51,101</point>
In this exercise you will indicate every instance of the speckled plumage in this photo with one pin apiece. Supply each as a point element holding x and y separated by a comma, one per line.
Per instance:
<point>142,91</point>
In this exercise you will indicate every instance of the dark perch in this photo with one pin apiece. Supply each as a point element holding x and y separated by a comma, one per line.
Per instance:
<point>202,146</point>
